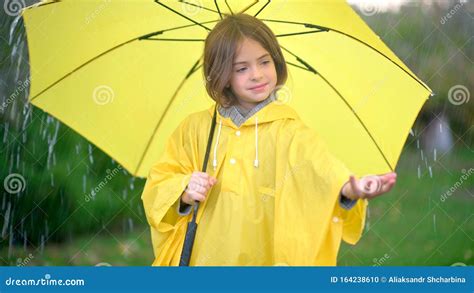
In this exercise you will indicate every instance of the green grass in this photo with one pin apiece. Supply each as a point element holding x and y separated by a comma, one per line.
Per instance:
<point>409,226</point>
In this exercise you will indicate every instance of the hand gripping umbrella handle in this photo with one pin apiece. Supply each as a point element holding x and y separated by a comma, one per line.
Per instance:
<point>192,226</point>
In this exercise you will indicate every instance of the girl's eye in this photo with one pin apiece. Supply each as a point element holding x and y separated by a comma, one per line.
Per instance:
<point>241,69</point>
<point>266,62</point>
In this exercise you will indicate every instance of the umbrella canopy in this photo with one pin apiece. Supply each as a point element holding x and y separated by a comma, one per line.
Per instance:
<point>123,74</point>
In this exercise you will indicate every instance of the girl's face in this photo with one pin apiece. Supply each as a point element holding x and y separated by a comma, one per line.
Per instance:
<point>254,75</point>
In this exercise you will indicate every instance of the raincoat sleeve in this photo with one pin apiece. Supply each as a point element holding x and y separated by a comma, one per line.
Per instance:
<point>166,181</point>
<point>309,220</point>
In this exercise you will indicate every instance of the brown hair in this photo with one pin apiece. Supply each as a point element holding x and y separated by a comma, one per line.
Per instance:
<point>220,49</point>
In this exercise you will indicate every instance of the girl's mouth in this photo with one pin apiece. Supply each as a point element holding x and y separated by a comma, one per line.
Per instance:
<point>259,87</point>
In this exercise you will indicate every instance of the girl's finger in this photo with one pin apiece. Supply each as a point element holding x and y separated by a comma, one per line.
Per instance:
<point>201,182</point>
<point>355,186</point>
<point>196,196</point>
<point>387,187</point>
<point>203,175</point>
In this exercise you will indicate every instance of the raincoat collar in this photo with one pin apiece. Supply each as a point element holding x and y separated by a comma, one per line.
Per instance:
<point>272,111</point>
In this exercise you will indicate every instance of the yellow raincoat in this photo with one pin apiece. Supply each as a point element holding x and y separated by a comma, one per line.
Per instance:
<point>285,211</point>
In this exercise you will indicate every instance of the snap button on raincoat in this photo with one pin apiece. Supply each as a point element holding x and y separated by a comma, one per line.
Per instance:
<point>282,211</point>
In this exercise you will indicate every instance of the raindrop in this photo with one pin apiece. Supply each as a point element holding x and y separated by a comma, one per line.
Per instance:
<point>68,167</point>
<point>77,149</point>
<point>46,228</point>
<point>422,155</point>
<point>431,172</point>
<point>132,183</point>
<point>5,134</point>
<point>42,244</point>
<point>434,222</point>
<point>52,179</point>
<point>18,160</point>
<point>6,221</point>
<point>434,154</point>
<point>417,143</point>
<point>130,224</point>
<point>25,239</point>
<point>13,28</point>
<point>10,241</point>
<point>411,132</point>
<point>441,127</point>
<point>90,154</point>
<point>84,183</point>
<point>419,172</point>
<point>124,194</point>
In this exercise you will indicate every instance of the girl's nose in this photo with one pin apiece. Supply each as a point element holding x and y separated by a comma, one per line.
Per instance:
<point>256,74</point>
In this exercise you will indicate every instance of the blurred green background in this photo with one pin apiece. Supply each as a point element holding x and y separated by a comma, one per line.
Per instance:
<point>76,206</point>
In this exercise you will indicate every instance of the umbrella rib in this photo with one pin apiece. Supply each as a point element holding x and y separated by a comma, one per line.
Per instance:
<point>199,6</point>
<point>300,33</point>
<point>228,7</point>
<point>182,15</point>
<point>298,66</point>
<point>145,37</point>
<point>190,72</point>
<point>310,68</point>
<point>217,6</point>
<point>263,7</point>
<point>41,4</point>
<point>354,38</point>
<point>178,40</point>
<point>248,7</point>
<point>79,67</point>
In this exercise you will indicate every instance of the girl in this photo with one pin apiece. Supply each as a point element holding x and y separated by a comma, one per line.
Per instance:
<point>272,194</point>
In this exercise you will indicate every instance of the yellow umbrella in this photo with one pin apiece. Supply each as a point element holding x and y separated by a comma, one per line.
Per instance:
<point>124,73</point>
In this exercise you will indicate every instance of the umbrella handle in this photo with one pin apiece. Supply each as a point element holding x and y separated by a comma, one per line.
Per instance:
<point>192,226</point>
